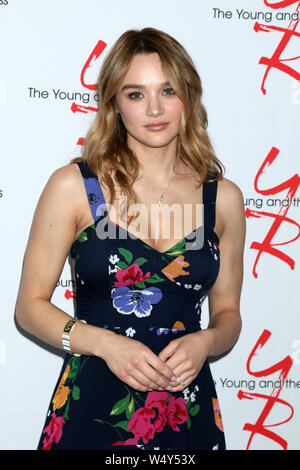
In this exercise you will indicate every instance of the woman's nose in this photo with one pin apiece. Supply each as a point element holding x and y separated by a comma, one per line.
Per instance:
<point>154,107</point>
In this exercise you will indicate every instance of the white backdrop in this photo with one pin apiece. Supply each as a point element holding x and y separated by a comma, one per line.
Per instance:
<point>254,128</point>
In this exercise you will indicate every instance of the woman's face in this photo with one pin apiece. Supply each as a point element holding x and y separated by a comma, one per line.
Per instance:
<point>145,98</point>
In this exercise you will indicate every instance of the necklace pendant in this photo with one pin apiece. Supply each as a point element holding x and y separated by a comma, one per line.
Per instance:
<point>161,202</point>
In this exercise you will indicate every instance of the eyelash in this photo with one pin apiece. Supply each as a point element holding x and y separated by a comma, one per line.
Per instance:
<point>137,93</point>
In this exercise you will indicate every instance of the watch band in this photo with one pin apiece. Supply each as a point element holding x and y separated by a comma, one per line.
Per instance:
<point>66,336</point>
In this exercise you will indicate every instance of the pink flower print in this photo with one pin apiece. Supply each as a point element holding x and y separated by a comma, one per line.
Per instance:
<point>145,422</point>
<point>141,425</point>
<point>54,431</point>
<point>177,412</point>
<point>131,275</point>
<point>157,400</point>
<point>133,441</point>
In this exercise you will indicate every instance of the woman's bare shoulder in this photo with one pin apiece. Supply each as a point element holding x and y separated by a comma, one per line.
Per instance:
<point>229,203</point>
<point>67,180</point>
<point>229,190</point>
<point>66,177</point>
<point>63,194</point>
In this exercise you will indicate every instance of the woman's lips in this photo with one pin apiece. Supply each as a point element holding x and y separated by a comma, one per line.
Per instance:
<point>157,127</point>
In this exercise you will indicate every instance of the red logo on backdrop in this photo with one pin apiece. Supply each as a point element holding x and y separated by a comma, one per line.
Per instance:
<point>291,185</point>
<point>75,108</point>
<point>283,367</point>
<point>69,294</point>
<point>276,61</point>
<point>98,49</point>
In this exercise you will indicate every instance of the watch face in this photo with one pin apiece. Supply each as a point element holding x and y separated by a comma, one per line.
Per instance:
<point>69,326</point>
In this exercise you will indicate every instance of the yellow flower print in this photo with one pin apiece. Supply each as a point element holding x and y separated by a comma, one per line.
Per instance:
<point>178,325</point>
<point>62,391</point>
<point>217,413</point>
<point>176,268</point>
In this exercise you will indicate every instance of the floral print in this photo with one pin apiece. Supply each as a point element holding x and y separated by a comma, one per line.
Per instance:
<point>213,248</point>
<point>95,197</point>
<point>160,410</point>
<point>217,413</point>
<point>53,431</point>
<point>139,302</point>
<point>131,275</point>
<point>62,391</point>
<point>177,412</point>
<point>61,401</point>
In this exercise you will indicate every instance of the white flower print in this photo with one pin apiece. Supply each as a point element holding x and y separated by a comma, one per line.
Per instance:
<point>130,332</point>
<point>213,249</point>
<point>110,270</point>
<point>113,259</point>
<point>186,393</point>
<point>197,286</point>
<point>188,286</point>
<point>190,395</point>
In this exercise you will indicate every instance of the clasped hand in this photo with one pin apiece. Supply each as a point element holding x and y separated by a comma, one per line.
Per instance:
<point>185,356</point>
<point>136,364</point>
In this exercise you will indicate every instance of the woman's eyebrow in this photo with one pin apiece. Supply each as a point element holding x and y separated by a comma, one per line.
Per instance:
<point>135,85</point>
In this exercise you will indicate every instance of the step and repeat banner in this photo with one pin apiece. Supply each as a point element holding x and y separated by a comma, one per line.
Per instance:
<point>248,57</point>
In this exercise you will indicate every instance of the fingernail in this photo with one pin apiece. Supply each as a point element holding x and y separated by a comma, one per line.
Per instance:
<point>169,388</point>
<point>173,379</point>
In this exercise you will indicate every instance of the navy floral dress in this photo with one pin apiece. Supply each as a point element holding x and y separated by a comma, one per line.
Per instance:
<point>125,285</point>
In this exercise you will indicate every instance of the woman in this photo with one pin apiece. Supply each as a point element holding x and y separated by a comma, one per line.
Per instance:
<point>136,375</point>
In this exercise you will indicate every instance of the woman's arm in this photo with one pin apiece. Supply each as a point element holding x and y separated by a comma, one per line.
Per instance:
<point>52,233</point>
<point>224,297</point>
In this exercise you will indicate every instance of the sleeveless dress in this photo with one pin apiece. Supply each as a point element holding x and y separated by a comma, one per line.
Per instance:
<point>125,285</point>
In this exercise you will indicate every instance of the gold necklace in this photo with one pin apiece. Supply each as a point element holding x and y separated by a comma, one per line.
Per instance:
<point>162,202</point>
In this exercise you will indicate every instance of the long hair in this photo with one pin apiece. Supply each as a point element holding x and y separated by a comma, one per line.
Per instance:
<point>105,146</point>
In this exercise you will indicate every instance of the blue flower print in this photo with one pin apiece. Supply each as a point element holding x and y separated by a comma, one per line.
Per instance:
<point>95,197</point>
<point>139,302</point>
<point>165,331</point>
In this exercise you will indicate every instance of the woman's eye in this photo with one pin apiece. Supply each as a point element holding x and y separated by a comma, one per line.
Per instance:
<point>135,95</point>
<point>169,91</point>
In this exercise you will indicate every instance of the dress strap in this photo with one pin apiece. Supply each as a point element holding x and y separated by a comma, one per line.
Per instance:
<point>93,190</point>
<point>209,201</point>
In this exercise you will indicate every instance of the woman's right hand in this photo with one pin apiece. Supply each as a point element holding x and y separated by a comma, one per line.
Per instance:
<point>135,364</point>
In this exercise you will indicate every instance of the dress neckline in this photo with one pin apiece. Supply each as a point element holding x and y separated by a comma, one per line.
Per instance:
<point>88,173</point>
<point>135,237</point>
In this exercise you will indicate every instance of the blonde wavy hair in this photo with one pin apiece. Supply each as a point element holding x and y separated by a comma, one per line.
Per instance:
<point>105,147</point>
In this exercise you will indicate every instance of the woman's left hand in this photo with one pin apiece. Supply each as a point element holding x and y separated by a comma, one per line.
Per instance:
<point>186,357</point>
